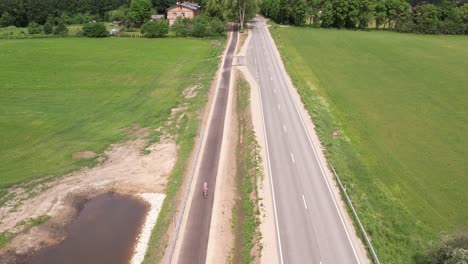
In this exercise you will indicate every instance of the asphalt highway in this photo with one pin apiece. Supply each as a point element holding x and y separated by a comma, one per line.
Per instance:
<point>195,238</point>
<point>309,226</point>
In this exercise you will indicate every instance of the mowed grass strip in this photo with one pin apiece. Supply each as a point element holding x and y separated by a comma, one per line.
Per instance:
<point>61,96</point>
<point>400,104</point>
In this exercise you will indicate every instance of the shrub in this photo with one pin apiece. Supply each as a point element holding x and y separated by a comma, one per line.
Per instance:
<point>406,26</point>
<point>216,28</point>
<point>61,29</point>
<point>181,27</point>
<point>155,29</point>
<point>95,30</point>
<point>34,28</point>
<point>199,30</point>
<point>6,20</point>
<point>199,27</point>
<point>451,251</point>
<point>48,27</point>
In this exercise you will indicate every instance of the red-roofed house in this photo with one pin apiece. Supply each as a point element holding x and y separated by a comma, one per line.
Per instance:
<point>185,9</point>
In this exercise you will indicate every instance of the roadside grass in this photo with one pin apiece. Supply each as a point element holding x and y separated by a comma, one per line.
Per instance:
<point>61,96</point>
<point>5,238</point>
<point>246,211</point>
<point>30,222</point>
<point>186,131</point>
<point>399,104</point>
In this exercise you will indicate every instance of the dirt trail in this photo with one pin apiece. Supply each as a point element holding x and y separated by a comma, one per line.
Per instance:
<point>125,171</point>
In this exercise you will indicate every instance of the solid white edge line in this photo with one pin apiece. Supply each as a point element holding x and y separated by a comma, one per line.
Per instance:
<point>305,204</point>
<point>284,128</point>
<point>292,157</point>
<point>316,155</point>
<point>271,176</point>
<point>279,107</point>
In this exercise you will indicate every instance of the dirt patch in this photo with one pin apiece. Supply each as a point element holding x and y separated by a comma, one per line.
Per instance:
<point>125,171</point>
<point>191,91</point>
<point>84,155</point>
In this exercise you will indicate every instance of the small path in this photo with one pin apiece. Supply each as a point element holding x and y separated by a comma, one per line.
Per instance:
<point>195,239</point>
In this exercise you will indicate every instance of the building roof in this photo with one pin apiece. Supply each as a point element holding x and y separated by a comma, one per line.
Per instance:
<point>189,5</point>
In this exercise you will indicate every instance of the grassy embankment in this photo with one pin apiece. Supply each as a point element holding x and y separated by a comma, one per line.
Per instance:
<point>399,102</point>
<point>61,96</point>
<point>246,210</point>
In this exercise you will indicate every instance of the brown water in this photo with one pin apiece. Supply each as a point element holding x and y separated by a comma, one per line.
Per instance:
<point>104,232</point>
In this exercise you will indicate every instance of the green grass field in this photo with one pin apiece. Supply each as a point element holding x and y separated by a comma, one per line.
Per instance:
<point>60,96</point>
<point>400,102</point>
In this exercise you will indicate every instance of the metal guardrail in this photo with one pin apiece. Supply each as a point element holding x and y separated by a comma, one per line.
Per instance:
<point>361,227</point>
<point>178,221</point>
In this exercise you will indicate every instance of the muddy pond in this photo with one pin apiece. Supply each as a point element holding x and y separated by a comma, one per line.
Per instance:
<point>105,231</point>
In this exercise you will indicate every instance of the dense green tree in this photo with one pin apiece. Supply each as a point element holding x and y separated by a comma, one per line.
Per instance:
<point>25,11</point>
<point>313,7</point>
<point>396,10</point>
<point>464,13</point>
<point>299,12</point>
<point>140,11</point>
<point>120,14</point>
<point>61,28</point>
<point>199,27</point>
<point>464,16</point>
<point>328,17</point>
<point>6,20</point>
<point>34,28</point>
<point>284,12</point>
<point>380,14</point>
<point>95,30</point>
<point>352,17</point>
<point>213,8</point>
<point>366,12</point>
<point>426,19</point>
<point>49,25</point>
<point>15,8</point>
<point>199,30</point>
<point>155,29</point>
<point>161,5</point>
<point>267,6</point>
<point>242,10</point>
<point>216,27</point>
<point>181,27</point>
<point>340,12</point>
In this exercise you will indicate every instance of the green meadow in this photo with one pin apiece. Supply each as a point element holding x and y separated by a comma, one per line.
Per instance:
<point>66,95</point>
<point>400,103</point>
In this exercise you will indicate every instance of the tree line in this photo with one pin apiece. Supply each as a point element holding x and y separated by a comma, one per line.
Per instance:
<point>437,17</point>
<point>22,12</point>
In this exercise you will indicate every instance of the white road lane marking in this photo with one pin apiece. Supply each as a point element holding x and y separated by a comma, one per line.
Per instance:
<point>279,107</point>
<point>284,128</point>
<point>305,205</point>
<point>292,157</point>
